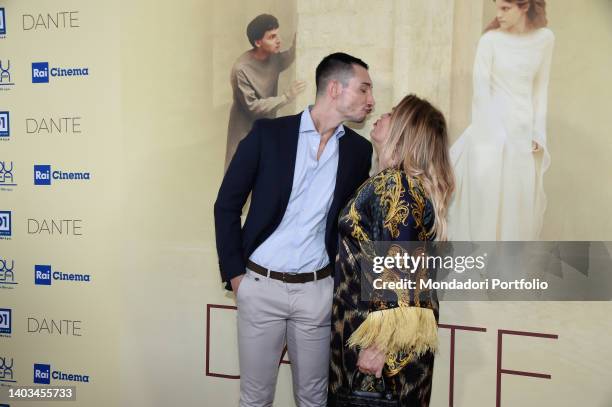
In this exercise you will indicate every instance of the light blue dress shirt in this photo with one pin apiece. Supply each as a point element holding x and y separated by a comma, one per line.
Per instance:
<point>298,243</point>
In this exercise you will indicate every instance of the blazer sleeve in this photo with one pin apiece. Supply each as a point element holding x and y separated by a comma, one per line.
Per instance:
<point>233,193</point>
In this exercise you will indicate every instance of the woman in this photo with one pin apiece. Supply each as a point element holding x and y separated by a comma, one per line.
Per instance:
<point>500,159</point>
<point>406,201</point>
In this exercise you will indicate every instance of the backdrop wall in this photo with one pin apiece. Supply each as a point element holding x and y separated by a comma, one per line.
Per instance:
<point>156,328</point>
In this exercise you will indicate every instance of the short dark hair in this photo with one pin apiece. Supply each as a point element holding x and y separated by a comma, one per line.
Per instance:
<point>338,66</point>
<point>259,25</point>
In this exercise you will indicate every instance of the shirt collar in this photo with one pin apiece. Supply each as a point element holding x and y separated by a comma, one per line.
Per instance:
<point>307,125</point>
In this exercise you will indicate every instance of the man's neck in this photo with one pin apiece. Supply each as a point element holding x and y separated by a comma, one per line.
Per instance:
<point>259,54</point>
<point>325,120</point>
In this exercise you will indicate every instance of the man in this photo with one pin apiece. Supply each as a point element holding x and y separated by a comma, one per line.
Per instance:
<point>254,80</point>
<point>300,170</point>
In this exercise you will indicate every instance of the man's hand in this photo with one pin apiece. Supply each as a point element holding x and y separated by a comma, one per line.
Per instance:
<point>371,361</point>
<point>535,147</point>
<point>235,282</point>
<point>295,89</point>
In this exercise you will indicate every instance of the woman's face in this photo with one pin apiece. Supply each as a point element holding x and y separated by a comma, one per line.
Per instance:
<point>380,130</point>
<point>509,15</point>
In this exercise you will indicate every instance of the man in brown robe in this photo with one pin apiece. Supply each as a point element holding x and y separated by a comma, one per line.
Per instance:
<point>254,80</point>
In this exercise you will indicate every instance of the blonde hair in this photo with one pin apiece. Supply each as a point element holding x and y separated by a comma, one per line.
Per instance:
<point>536,14</point>
<point>418,143</point>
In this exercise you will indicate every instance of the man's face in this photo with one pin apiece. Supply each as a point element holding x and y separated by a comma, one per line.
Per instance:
<point>356,101</point>
<point>270,43</point>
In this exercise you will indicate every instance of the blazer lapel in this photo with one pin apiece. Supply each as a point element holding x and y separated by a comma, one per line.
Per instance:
<point>341,175</point>
<point>289,134</point>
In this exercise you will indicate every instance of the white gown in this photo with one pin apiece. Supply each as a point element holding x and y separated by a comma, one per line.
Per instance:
<point>499,190</point>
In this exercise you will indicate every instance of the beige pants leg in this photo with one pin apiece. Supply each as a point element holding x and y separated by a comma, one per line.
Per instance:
<point>271,313</point>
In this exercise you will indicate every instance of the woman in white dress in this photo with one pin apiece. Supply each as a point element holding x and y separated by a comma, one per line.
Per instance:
<point>501,157</point>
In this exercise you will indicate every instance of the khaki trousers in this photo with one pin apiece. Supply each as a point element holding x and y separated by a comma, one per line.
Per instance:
<point>272,313</point>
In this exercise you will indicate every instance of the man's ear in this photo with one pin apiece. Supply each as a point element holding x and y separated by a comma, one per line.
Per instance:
<point>334,89</point>
<point>257,43</point>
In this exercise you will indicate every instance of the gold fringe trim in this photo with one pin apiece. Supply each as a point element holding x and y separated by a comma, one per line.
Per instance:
<point>412,330</point>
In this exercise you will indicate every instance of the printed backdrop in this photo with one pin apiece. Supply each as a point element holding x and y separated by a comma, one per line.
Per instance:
<point>113,120</point>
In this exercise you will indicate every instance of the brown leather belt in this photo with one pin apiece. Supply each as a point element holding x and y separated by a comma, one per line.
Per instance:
<point>291,277</point>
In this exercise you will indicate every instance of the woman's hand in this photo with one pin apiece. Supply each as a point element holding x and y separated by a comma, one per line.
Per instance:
<point>371,361</point>
<point>535,147</point>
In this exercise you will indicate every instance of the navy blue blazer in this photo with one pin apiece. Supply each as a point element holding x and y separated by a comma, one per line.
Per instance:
<point>263,166</point>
